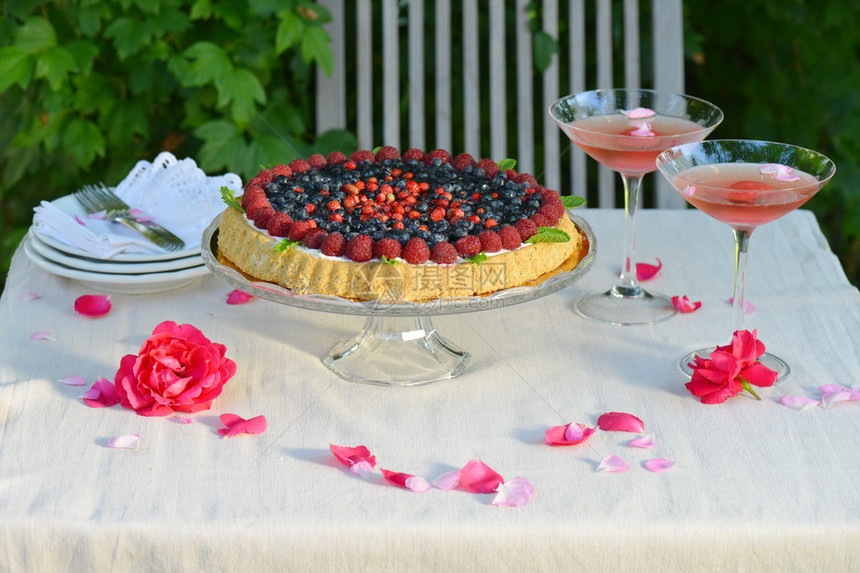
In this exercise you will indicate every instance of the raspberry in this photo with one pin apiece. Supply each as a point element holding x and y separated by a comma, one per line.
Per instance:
<point>299,165</point>
<point>359,248</point>
<point>549,194</point>
<point>413,155</point>
<point>279,225</point>
<point>314,238</point>
<point>317,160</point>
<point>490,241</point>
<point>490,167</point>
<point>416,251</point>
<point>443,253</point>
<point>540,220</point>
<point>552,208</point>
<point>336,157</point>
<point>510,237</point>
<point>253,194</point>
<point>265,176</point>
<point>362,155</point>
<point>526,228</point>
<point>512,175</point>
<point>387,152</point>
<point>282,170</point>
<point>462,161</point>
<point>261,216</point>
<point>527,178</point>
<point>299,229</point>
<point>333,245</point>
<point>443,156</point>
<point>254,204</point>
<point>468,246</point>
<point>388,248</point>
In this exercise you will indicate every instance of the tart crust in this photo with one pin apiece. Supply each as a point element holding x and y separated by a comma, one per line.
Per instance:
<point>306,271</point>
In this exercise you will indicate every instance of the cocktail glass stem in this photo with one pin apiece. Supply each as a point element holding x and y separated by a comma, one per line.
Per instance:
<point>742,239</point>
<point>628,284</point>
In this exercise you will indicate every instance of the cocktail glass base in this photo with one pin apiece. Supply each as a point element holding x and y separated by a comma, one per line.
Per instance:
<point>775,363</point>
<point>612,307</point>
<point>397,351</point>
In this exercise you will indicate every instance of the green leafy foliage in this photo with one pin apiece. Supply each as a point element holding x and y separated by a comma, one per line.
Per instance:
<point>88,88</point>
<point>549,235</point>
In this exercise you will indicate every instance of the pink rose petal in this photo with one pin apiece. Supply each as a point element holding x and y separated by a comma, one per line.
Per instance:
<point>407,481</point>
<point>74,380</point>
<point>352,456</point>
<point>797,402</point>
<point>447,481</point>
<point>30,296</point>
<point>362,469</point>
<point>645,271</point>
<point>515,493</point>
<point>478,477</point>
<point>612,464</point>
<point>79,221</point>
<point>684,305</point>
<point>103,393</point>
<point>832,394</point>
<point>93,305</point>
<point>238,297</point>
<point>658,465</point>
<point>128,441</point>
<point>98,216</point>
<point>689,191</point>
<point>568,435</point>
<point>645,441</point>
<point>43,335</point>
<point>237,425</point>
<point>180,419</point>
<point>778,171</point>
<point>620,422</point>
<point>141,216</point>
<point>748,306</point>
<point>639,113</point>
<point>643,130</point>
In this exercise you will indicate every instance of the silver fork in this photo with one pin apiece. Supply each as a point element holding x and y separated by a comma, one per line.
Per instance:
<point>96,198</point>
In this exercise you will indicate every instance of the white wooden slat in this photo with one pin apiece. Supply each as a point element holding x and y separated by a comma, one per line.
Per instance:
<point>331,90</point>
<point>576,83</point>
<point>632,77</point>
<point>525,109</point>
<point>497,89</point>
<point>442,35</point>
<point>417,130</point>
<point>364,60</point>
<point>552,150</point>
<point>390,74</point>
<point>606,178</point>
<point>471,80</point>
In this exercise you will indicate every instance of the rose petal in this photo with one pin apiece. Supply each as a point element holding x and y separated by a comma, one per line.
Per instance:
<point>515,493</point>
<point>830,399</point>
<point>620,422</point>
<point>129,441</point>
<point>238,297</point>
<point>567,435</point>
<point>43,335</point>
<point>645,441</point>
<point>141,216</point>
<point>748,306</point>
<point>179,419</point>
<point>478,477</point>
<point>613,463</point>
<point>643,130</point>
<point>237,425</point>
<point>447,481</point>
<point>103,393</point>
<point>351,456</point>
<point>645,271</point>
<point>362,469</point>
<point>684,305</point>
<point>639,113</point>
<point>406,481</point>
<point>74,380</point>
<point>689,190</point>
<point>30,296</point>
<point>797,402</point>
<point>93,305</point>
<point>778,171</point>
<point>658,465</point>
<point>79,221</point>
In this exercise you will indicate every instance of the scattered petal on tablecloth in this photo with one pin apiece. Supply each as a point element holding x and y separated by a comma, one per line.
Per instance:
<point>620,422</point>
<point>43,335</point>
<point>514,493</point>
<point>748,306</point>
<point>612,464</point>
<point>237,425</point>
<point>658,465</point>
<point>797,402</point>
<point>646,271</point>
<point>478,477</point>
<point>180,419</point>
<point>832,394</point>
<point>645,441</point>
<point>93,305</point>
<point>567,435</point>
<point>407,481</point>
<point>128,442</point>
<point>685,305</point>
<point>102,393</point>
<point>74,380</point>
<point>447,481</point>
<point>28,296</point>
<point>238,297</point>
<point>358,458</point>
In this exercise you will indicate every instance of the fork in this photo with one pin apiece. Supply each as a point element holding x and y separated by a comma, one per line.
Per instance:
<point>96,198</point>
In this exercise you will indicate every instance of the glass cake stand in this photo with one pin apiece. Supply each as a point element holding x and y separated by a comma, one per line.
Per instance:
<point>398,345</point>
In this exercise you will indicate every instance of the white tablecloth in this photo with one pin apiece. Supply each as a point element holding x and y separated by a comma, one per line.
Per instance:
<point>757,486</point>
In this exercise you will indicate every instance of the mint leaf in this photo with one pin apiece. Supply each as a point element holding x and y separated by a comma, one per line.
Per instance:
<point>284,245</point>
<point>478,259</point>
<point>388,261</point>
<point>572,201</point>
<point>548,235</point>
<point>506,164</point>
<point>230,199</point>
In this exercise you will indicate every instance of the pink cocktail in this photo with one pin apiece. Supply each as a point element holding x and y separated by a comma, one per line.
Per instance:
<point>744,183</point>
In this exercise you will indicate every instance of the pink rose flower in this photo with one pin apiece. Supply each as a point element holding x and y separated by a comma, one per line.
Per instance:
<point>177,369</point>
<point>731,369</point>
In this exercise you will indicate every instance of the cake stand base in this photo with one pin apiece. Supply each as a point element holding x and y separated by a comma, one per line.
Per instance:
<point>397,351</point>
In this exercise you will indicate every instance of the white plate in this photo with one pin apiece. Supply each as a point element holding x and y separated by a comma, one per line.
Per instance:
<point>70,205</point>
<point>107,265</point>
<point>118,284</point>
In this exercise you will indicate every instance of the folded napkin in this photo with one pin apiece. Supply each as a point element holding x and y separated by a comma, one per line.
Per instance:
<point>174,193</point>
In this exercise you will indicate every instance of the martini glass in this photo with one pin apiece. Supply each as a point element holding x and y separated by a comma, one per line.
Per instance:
<point>744,184</point>
<point>625,130</point>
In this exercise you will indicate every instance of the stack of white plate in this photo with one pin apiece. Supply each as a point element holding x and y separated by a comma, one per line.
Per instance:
<point>124,273</point>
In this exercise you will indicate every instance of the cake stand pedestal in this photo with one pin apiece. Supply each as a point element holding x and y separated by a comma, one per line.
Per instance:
<point>399,344</point>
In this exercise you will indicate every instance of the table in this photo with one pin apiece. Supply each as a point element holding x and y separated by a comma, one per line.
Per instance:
<point>757,487</point>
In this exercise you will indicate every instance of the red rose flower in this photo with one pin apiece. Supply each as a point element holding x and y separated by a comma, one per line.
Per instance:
<point>177,369</point>
<point>731,369</point>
